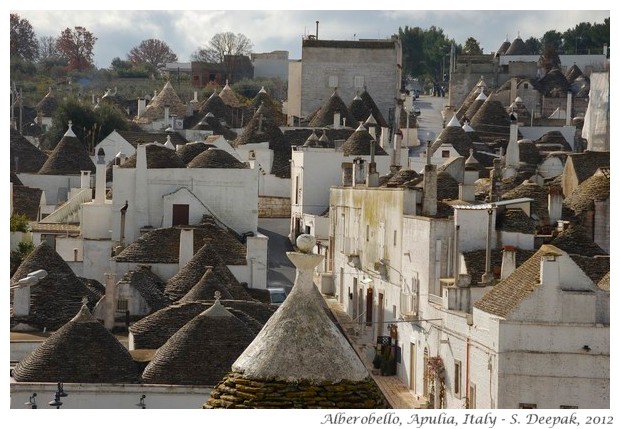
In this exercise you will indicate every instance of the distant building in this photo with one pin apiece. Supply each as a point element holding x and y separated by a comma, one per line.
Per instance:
<point>349,66</point>
<point>270,65</point>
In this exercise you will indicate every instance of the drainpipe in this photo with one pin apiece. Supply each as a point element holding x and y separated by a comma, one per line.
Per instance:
<point>467,374</point>
<point>488,276</point>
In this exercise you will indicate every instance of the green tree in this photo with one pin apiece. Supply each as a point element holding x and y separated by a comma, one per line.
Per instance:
<point>23,40</point>
<point>472,47</point>
<point>24,248</point>
<point>533,45</point>
<point>19,223</point>
<point>553,38</point>
<point>107,119</point>
<point>77,47</point>
<point>82,118</point>
<point>128,69</point>
<point>425,52</point>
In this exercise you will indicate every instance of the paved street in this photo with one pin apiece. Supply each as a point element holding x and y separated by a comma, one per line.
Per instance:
<point>281,272</point>
<point>430,121</point>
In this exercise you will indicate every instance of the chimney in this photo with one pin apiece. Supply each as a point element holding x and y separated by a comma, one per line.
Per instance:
<point>347,173</point>
<point>141,202</point>
<point>359,172</point>
<point>336,124</point>
<point>100,177</point>
<point>488,277</point>
<point>467,189</point>
<point>555,202</point>
<point>509,261</point>
<point>123,214</point>
<point>84,179</point>
<point>186,246</point>
<point>317,30</point>
<point>195,96</point>
<point>569,107</point>
<point>512,151</point>
<point>110,301</point>
<point>429,199</point>
<point>496,177</point>
<point>21,301</point>
<point>372,180</point>
<point>141,106</point>
<point>166,115</point>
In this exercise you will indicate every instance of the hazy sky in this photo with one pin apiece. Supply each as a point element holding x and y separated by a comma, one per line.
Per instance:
<point>118,31</point>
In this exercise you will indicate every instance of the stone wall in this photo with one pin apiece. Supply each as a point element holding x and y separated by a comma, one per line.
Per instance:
<point>236,391</point>
<point>274,207</point>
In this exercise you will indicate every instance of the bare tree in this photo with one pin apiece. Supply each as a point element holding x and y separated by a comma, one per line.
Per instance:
<point>47,47</point>
<point>222,45</point>
<point>153,52</point>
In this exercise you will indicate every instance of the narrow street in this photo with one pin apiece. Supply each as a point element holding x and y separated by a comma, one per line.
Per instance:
<point>430,121</point>
<point>280,270</point>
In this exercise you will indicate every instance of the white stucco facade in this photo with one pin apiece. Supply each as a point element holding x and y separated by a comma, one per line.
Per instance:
<point>314,171</point>
<point>552,351</point>
<point>228,194</point>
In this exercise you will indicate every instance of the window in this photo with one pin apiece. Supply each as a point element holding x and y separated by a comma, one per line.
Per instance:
<point>367,232</point>
<point>122,305</point>
<point>471,403</point>
<point>457,378</point>
<point>395,235</point>
<point>333,81</point>
<point>180,214</point>
<point>524,406</point>
<point>526,86</point>
<point>358,82</point>
<point>445,154</point>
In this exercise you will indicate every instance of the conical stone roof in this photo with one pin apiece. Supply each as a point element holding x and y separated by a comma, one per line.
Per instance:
<point>81,351</point>
<point>575,240</point>
<point>69,157</point>
<point>157,156</point>
<point>215,105</point>
<point>25,157</point>
<point>263,129</point>
<point>216,158</point>
<point>324,116</point>
<point>319,360</point>
<point>156,109</point>
<point>201,352</point>
<point>210,123</point>
<point>229,97</point>
<point>57,298</point>
<point>189,151</point>
<point>491,121</point>
<point>360,143</point>
<point>573,73</point>
<point>470,98</point>
<point>207,256</point>
<point>152,331</point>
<point>518,47</point>
<point>363,106</point>
<point>48,104</point>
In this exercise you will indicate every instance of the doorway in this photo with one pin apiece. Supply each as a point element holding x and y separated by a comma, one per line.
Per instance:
<point>412,352</point>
